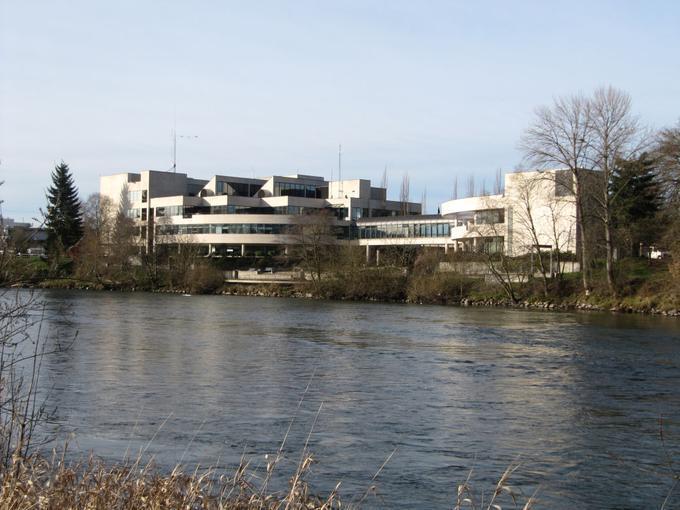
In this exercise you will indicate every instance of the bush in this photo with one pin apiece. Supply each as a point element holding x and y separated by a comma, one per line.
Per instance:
<point>205,278</point>
<point>372,283</point>
<point>440,288</point>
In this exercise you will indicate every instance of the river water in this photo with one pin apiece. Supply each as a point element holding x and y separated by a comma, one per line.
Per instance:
<point>576,398</point>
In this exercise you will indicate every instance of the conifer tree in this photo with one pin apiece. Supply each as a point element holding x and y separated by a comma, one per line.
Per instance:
<point>637,194</point>
<point>64,220</point>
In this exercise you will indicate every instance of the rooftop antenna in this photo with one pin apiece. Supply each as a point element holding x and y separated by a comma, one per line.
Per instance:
<point>174,145</point>
<point>340,168</point>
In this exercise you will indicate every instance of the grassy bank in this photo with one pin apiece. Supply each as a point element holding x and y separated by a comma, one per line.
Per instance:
<point>644,286</point>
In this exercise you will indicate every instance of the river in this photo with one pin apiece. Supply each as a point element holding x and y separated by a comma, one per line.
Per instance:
<point>576,398</point>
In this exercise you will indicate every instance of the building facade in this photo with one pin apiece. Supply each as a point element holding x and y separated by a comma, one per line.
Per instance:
<point>535,210</point>
<point>237,216</point>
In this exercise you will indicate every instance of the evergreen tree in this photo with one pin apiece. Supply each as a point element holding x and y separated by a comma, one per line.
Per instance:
<point>64,220</point>
<point>638,201</point>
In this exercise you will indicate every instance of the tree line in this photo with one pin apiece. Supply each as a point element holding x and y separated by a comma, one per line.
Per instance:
<point>625,179</point>
<point>625,176</point>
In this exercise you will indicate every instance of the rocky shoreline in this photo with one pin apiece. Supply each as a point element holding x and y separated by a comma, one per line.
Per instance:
<point>294,291</point>
<point>465,302</point>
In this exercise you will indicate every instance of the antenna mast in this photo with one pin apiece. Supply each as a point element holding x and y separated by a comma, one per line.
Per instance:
<point>340,168</point>
<point>174,149</point>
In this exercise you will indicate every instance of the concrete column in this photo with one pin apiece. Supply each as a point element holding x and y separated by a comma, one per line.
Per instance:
<point>285,250</point>
<point>243,250</point>
<point>446,248</point>
<point>368,254</point>
<point>377,256</point>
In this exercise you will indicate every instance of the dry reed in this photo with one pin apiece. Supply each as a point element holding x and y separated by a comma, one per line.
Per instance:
<point>37,482</point>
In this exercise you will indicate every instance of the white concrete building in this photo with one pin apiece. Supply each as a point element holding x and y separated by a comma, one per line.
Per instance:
<point>240,216</point>
<point>233,216</point>
<point>536,208</point>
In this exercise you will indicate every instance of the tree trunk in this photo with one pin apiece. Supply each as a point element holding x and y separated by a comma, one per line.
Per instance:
<point>609,245</point>
<point>582,229</point>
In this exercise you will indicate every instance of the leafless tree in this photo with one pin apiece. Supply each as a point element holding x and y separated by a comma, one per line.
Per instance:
<point>498,183</point>
<point>490,234</point>
<point>616,135</point>
<point>525,202</point>
<point>405,193</point>
<point>454,195</point>
<point>315,244</point>
<point>539,220</point>
<point>423,201</point>
<point>24,342</point>
<point>667,155</point>
<point>383,180</point>
<point>98,216</point>
<point>560,135</point>
<point>471,186</point>
<point>123,245</point>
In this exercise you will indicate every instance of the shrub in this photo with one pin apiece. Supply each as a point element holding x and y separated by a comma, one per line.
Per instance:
<point>204,278</point>
<point>440,288</point>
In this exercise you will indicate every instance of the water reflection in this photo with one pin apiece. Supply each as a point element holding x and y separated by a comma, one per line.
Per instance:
<point>575,396</point>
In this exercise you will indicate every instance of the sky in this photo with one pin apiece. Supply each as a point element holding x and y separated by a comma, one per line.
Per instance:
<point>434,89</point>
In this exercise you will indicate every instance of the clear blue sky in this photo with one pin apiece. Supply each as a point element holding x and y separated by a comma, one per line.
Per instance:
<point>435,89</point>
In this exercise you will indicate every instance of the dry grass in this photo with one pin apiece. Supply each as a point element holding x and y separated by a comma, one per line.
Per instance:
<point>503,495</point>
<point>53,483</point>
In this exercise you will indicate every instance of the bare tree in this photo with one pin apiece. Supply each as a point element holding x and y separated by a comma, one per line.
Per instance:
<point>667,154</point>
<point>383,180</point>
<point>97,232</point>
<point>315,244</point>
<point>616,136</point>
<point>524,205</point>
<point>405,193</point>
<point>122,246</point>
<point>454,195</point>
<point>423,201</point>
<point>498,183</point>
<point>471,186</point>
<point>23,345</point>
<point>542,223</point>
<point>561,136</point>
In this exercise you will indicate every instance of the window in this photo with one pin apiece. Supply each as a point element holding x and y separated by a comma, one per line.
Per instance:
<point>171,210</point>
<point>134,196</point>
<point>135,214</point>
<point>493,244</point>
<point>564,184</point>
<point>293,189</point>
<point>238,189</point>
<point>144,196</point>
<point>490,217</point>
<point>144,214</point>
<point>403,230</point>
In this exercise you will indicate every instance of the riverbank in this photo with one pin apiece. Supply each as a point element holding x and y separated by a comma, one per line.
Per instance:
<point>306,290</point>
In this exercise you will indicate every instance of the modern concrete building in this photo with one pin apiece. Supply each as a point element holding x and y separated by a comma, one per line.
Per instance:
<point>536,208</point>
<point>234,216</point>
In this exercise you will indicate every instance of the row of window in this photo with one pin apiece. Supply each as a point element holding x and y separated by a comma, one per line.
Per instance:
<point>137,196</point>
<point>338,232</point>
<point>179,210</point>
<point>239,189</point>
<point>401,230</point>
<point>231,228</point>
<point>292,189</point>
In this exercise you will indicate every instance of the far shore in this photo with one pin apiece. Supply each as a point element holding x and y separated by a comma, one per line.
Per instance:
<point>302,290</point>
